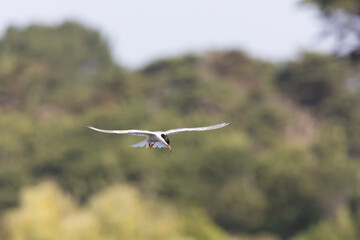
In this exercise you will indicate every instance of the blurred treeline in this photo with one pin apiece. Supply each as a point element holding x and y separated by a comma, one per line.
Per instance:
<point>288,166</point>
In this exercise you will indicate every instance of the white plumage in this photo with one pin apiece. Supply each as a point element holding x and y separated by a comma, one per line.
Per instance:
<point>157,138</point>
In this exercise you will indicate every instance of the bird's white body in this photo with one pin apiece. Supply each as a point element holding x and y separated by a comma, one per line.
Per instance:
<point>157,138</point>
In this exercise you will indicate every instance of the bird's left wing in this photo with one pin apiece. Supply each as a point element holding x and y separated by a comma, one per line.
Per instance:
<point>129,132</point>
<point>177,130</point>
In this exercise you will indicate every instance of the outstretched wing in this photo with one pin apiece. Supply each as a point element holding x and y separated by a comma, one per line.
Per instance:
<point>177,130</point>
<point>129,132</point>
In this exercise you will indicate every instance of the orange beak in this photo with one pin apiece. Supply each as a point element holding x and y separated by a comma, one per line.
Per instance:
<point>169,148</point>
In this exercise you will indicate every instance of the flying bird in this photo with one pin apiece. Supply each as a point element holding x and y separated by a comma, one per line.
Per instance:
<point>158,139</point>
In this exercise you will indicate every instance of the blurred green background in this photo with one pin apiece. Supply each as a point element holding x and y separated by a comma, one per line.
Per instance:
<point>288,166</point>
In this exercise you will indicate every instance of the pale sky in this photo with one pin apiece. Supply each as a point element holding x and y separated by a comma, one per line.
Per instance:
<point>140,31</point>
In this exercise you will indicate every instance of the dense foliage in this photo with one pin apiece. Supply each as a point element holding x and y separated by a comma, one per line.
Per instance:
<point>342,21</point>
<point>287,166</point>
<point>116,213</point>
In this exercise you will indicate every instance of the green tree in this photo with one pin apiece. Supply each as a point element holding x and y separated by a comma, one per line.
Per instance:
<point>55,68</point>
<point>286,163</point>
<point>342,20</point>
<point>313,87</point>
<point>340,226</point>
<point>118,212</point>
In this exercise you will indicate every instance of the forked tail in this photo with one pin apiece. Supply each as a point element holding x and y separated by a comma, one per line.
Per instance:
<point>140,144</point>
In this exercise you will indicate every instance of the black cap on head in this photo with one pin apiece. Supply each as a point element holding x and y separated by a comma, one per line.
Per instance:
<point>167,140</point>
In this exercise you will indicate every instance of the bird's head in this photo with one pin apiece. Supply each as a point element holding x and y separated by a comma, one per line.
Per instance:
<point>166,141</point>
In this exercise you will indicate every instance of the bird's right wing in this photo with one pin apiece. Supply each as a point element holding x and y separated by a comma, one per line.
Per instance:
<point>129,132</point>
<point>177,130</point>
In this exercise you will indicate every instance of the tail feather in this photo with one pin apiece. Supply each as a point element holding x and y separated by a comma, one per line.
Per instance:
<point>140,144</point>
<point>159,145</point>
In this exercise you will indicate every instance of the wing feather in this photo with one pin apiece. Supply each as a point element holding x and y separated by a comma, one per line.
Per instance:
<point>177,130</point>
<point>129,132</point>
